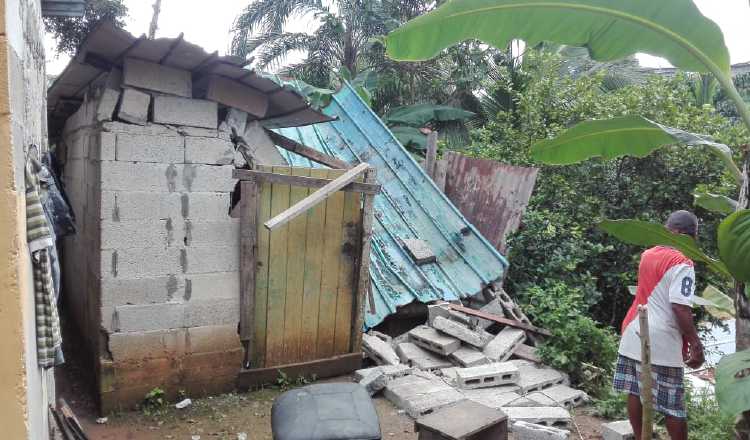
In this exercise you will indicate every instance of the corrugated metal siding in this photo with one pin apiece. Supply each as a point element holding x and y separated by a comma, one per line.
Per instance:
<point>410,206</point>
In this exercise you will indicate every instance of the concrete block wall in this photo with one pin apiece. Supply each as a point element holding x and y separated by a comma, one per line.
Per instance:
<point>154,270</point>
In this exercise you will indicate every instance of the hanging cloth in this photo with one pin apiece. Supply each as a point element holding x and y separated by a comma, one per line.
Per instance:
<point>40,239</point>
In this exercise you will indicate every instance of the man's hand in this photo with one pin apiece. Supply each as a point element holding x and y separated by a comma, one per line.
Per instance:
<point>696,358</point>
<point>684,315</point>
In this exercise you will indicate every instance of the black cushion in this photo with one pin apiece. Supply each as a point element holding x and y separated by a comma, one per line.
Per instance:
<point>329,411</point>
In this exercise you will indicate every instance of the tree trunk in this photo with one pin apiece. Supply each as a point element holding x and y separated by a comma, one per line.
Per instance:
<point>154,20</point>
<point>741,302</point>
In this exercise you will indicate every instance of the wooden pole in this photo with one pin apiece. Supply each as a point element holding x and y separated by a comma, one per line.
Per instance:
<point>431,157</point>
<point>248,265</point>
<point>154,20</point>
<point>647,399</point>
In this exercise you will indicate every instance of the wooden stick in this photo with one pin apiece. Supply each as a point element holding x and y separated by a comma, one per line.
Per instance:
<point>307,182</point>
<point>317,197</point>
<point>431,156</point>
<point>647,399</point>
<point>363,278</point>
<point>248,248</point>
<point>305,151</point>
<point>500,320</point>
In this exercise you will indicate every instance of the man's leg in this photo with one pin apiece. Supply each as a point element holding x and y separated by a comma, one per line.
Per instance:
<point>677,428</point>
<point>635,414</point>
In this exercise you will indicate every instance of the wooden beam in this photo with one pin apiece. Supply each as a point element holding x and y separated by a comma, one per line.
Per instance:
<point>305,151</point>
<point>321,369</point>
<point>307,182</point>
<point>500,320</point>
<point>248,249</point>
<point>647,426</point>
<point>363,277</point>
<point>317,197</point>
<point>431,156</point>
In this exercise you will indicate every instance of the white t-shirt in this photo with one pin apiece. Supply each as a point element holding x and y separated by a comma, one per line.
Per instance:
<point>665,277</point>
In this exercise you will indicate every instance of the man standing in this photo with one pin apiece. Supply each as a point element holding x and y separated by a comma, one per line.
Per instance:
<point>666,284</point>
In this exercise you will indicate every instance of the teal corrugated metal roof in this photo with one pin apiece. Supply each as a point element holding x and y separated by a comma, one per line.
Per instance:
<point>409,206</point>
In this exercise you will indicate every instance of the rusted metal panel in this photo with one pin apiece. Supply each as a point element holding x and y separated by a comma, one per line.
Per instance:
<point>491,195</point>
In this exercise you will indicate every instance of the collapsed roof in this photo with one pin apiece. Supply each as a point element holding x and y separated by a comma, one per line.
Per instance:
<point>107,46</point>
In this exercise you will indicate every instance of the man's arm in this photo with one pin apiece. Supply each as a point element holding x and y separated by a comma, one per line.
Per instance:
<point>684,317</point>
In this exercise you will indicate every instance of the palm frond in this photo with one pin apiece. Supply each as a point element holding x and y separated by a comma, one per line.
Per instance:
<point>272,48</point>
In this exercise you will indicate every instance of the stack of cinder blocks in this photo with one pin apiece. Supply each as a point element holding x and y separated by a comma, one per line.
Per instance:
<point>152,276</point>
<point>453,357</point>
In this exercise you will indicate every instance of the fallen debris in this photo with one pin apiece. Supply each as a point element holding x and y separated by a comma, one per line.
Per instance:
<point>417,357</point>
<point>486,376</point>
<point>502,346</point>
<point>432,340</point>
<point>532,431</point>
<point>379,351</point>
<point>464,420</point>
<point>461,332</point>
<point>183,404</point>
<point>620,430</point>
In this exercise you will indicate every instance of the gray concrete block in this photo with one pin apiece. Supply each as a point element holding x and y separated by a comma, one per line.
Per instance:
<point>430,339</point>
<point>148,129</point>
<point>208,206</point>
<point>146,148</point>
<point>420,251</point>
<point>261,148</point>
<point>136,234</point>
<point>379,351</point>
<point>134,106</point>
<point>530,431</point>
<point>469,357</point>
<point>202,132</point>
<point>236,121</point>
<point>535,378</point>
<point>210,259</point>
<point>213,339</point>
<point>154,344</point>
<point>140,263</point>
<point>102,146</point>
<point>106,104</point>
<point>553,416</point>
<point>560,395</point>
<point>212,151</point>
<point>157,77</point>
<point>501,347</point>
<point>420,394</point>
<point>417,357</point>
<point>139,205</point>
<point>139,291</point>
<point>493,307</point>
<point>128,176</point>
<point>149,317</point>
<point>620,430</point>
<point>484,376</point>
<point>461,332</point>
<point>385,338</point>
<point>183,111</point>
<point>442,309</point>
<point>206,178</point>
<point>212,312</point>
<point>197,233</point>
<point>211,286</point>
<point>390,371</point>
<point>498,397</point>
<point>374,382</point>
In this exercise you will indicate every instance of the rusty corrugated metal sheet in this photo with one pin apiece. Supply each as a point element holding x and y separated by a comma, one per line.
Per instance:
<point>493,196</point>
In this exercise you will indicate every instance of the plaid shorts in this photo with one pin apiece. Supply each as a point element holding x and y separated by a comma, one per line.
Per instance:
<point>668,387</point>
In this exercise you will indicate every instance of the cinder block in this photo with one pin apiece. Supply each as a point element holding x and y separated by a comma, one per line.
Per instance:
<point>106,104</point>
<point>443,310</point>
<point>146,148</point>
<point>208,206</point>
<point>148,129</point>
<point>149,317</point>
<point>212,151</point>
<point>134,106</point>
<point>210,259</point>
<point>502,346</point>
<point>157,77</point>
<point>205,178</point>
<point>141,263</point>
<point>498,397</point>
<point>484,376</point>
<point>237,95</point>
<point>531,431</point>
<point>620,430</point>
<point>183,111</point>
<point>139,205</point>
<point>420,251</point>
<point>390,371</point>
<point>469,357</point>
<point>236,121</point>
<point>415,356</point>
<point>374,382</point>
<point>561,395</point>
<point>430,339</point>
<point>553,416</point>
<point>420,394</point>
<point>213,312</point>
<point>385,338</point>
<point>493,307</point>
<point>211,286</point>
<point>153,344</point>
<point>534,378</point>
<point>138,291</point>
<point>136,234</point>
<point>527,352</point>
<point>128,176</point>
<point>213,338</point>
<point>102,146</point>
<point>379,351</point>
<point>226,232</point>
<point>461,332</point>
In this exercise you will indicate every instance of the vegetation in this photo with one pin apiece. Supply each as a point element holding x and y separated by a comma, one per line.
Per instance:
<point>69,32</point>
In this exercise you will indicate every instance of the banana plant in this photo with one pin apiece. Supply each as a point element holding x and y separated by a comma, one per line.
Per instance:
<point>672,29</point>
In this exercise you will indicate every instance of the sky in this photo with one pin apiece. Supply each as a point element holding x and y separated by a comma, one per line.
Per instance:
<point>208,24</point>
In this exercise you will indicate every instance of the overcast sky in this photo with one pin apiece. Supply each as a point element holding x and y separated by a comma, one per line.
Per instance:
<point>208,24</point>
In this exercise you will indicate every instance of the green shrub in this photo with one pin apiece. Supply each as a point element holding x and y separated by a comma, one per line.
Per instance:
<point>705,419</point>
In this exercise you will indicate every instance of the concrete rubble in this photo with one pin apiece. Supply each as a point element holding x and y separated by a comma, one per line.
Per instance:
<point>453,357</point>
<point>620,430</point>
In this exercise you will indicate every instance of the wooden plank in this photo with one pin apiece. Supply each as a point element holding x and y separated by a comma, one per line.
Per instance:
<point>307,182</point>
<point>248,264</point>
<point>440,174</point>
<point>277,275</point>
<point>261,281</point>
<point>500,320</point>
<point>431,155</point>
<point>295,275</point>
<point>316,197</point>
<point>321,369</point>
<point>347,272</point>
<point>646,378</point>
<point>313,270</point>
<point>305,151</point>
<point>363,276</point>
<point>332,237</point>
